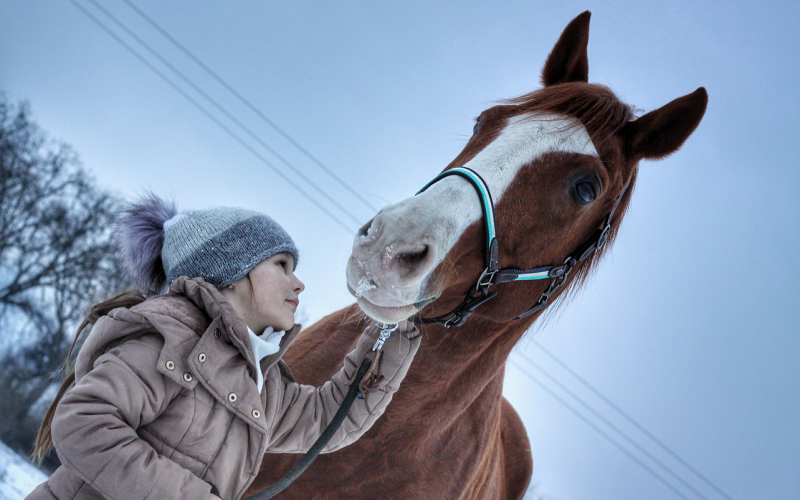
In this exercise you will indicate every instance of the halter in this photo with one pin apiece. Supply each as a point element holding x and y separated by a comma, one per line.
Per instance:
<point>492,275</point>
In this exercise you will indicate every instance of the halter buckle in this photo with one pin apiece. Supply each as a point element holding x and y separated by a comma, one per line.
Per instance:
<point>471,302</point>
<point>488,283</point>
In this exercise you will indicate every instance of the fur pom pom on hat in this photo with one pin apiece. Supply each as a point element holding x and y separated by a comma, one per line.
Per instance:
<point>220,245</point>
<point>140,238</point>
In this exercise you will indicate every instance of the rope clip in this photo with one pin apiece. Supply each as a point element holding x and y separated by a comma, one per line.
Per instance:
<point>386,331</point>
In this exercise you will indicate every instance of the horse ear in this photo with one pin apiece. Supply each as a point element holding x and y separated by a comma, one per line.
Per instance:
<point>568,61</point>
<point>661,132</point>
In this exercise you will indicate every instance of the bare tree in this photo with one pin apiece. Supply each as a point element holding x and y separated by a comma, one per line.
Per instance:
<point>55,258</point>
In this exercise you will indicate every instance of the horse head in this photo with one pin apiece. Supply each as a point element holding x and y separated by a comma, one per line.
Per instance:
<point>557,162</point>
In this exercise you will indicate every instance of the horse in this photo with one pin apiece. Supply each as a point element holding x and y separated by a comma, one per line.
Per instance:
<point>560,165</point>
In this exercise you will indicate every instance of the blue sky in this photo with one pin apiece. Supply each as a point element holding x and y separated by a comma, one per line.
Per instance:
<point>691,326</point>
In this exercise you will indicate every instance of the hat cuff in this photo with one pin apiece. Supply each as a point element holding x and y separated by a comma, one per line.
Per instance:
<point>231,254</point>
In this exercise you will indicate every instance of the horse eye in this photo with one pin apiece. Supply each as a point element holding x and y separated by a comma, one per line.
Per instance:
<point>585,193</point>
<point>477,126</point>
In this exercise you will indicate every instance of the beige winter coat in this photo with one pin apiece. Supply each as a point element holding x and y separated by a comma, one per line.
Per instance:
<point>166,404</point>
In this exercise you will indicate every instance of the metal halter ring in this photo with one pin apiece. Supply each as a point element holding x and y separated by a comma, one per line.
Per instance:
<point>481,283</point>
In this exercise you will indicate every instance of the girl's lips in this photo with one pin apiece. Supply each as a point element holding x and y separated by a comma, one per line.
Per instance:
<point>295,303</point>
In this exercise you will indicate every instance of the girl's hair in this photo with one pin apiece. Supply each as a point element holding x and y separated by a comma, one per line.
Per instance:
<point>44,439</point>
<point>139,236</point>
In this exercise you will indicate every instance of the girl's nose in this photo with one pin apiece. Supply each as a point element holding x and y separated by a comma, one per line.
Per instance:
<point>299,286</point>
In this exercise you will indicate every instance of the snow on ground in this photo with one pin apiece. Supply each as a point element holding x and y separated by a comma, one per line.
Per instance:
<point>18,477</point>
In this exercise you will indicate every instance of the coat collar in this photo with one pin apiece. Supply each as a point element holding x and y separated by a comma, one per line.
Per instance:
<point>209,299</point>
<point>191,310</point>
<point>206,297</point>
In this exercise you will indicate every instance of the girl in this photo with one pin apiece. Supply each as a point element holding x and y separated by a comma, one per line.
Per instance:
<point>179,396</point>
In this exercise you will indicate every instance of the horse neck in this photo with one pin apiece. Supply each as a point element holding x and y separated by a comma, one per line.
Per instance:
<point>458,365</point>
<point>453,369</point>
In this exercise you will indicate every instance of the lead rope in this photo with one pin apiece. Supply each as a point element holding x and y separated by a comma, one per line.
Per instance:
<point>333,426</point>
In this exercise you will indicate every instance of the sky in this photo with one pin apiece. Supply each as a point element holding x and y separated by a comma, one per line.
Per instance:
<point>691,326</point>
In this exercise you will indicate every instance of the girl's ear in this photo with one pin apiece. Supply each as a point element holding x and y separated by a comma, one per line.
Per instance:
<point>568,61</point>
<point>661,132</point>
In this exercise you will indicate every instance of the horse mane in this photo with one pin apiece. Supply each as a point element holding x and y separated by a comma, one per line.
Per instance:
<point>602,113</point>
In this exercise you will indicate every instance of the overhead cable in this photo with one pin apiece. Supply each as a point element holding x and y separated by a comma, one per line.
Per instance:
<point>616,429</point>
<point>224,111</point>
<point>208,114</point>
<point>245,101</point>
<point>600,431</point>
<point>631,420</point>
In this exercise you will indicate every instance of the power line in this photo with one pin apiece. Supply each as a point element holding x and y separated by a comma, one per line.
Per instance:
<point>600,431</point>
<point>616,429</point>
<point>224,111</point>
<point>245,101</point>
<point>209,115</point>
<point>632,421</point>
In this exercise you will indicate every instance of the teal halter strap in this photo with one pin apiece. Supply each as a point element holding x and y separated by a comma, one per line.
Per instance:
<point>486,202</point>
<point>492,245</point>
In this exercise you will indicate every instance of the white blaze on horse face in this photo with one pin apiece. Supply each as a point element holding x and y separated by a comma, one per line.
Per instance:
<point>440,215</point>
<point>524,139</point>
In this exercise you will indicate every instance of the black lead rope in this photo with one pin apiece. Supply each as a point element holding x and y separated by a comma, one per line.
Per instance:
<point>326,436</point>
<point>333,426</point>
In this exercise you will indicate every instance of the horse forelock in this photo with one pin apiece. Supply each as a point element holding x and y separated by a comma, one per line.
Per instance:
<point>595,106</point>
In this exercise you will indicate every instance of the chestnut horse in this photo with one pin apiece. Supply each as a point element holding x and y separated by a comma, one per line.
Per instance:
<point>556,161</point>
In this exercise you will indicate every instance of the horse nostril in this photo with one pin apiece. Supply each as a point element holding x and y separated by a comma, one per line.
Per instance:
<point>365,228</point>
<point>412,259</point>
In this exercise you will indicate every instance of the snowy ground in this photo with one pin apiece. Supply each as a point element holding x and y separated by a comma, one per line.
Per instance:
<point>17,476</point>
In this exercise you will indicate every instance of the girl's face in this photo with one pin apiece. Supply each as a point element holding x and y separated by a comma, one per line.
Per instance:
<point>268,295</point>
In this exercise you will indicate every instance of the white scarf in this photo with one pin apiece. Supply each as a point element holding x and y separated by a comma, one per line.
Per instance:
<point>269,342</point>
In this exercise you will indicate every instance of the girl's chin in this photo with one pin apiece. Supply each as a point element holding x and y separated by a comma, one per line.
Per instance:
<point>289,323</point>
<point>282,327</point>
<point>283,324</point>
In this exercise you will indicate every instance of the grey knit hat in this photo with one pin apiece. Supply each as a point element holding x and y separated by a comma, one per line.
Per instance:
<point>220,245</point>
